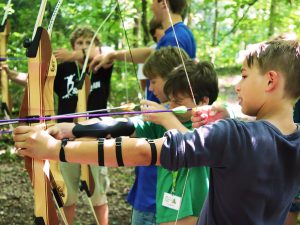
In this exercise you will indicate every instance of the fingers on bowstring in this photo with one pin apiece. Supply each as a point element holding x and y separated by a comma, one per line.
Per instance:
<point>93,64</point>
<point>147,103</point>
<point>20,152</point>
<point>22,129</point>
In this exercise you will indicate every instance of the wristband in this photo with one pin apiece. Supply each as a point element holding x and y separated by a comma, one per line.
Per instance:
<point>119,151</point>
<point>62,156</point>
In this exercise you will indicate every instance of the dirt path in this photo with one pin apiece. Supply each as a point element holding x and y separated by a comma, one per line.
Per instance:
<point>16,203</point>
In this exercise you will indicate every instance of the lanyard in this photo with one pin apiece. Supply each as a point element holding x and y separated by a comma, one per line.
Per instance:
<point>79,74</point>
<point>174,176</point>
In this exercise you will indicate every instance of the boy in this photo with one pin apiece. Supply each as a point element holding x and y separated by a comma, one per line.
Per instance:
<point>190,186</point>
<point>292,218</point>
<point>166,13</point>
<point>253,163</point>
<point>65,86</point>
<point>142,195</point>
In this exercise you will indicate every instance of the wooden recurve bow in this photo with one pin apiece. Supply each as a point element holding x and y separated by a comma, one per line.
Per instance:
<point>86,178</point>
<point>39,57</point>
<point>6,101</point>
<point>57,183</point>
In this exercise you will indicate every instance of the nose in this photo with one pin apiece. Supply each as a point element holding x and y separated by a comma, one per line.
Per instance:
<point>151,87</point>
<point>85,46</point>
<point>238,87</point>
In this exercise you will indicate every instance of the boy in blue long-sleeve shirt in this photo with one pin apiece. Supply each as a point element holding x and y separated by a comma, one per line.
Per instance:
<point>254,165</point>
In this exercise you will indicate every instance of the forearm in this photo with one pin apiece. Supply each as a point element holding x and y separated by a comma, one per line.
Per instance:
<point>135,152</point>
<point>174,123</point>
<point>136,55</point>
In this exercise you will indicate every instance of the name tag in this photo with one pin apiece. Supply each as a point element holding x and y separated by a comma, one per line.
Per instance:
<point>171,201</point>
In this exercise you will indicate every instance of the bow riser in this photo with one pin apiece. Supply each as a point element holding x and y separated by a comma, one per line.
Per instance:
<point>6,102</point>
<point>39,56</point>
<point>59,188</point>
<point>86,178</point>
<point>87,181</point>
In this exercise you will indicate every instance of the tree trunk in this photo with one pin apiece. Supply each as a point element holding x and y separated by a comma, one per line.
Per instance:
<point>215,25</point>
<point>144,23</point>
<point>188,13</point>
<point>136,28</point>
<point>272,18</point>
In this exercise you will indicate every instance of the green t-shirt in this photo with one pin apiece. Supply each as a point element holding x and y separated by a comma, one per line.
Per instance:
<point>196,188</point>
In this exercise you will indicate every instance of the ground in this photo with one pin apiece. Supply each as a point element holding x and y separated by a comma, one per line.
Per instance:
<point>16,207</point>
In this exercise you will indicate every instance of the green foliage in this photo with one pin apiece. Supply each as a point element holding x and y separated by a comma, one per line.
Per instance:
<point>6,153</point>
<point>237,24</point>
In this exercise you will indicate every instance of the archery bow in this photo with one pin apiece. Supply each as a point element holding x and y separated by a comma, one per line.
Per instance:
<point>39,55</point>
<point>58,186</point>
<point>4,31</point>
<point>87,181</point>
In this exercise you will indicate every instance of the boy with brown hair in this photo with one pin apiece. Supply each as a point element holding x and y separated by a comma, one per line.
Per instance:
<point>66,88</point>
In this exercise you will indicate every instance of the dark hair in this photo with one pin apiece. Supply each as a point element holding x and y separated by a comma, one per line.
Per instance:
<point>279,55</point>
<point>161,62</point>
<point>84,31</point>
<point>202,77</point>
<point>177,6</point>
<point>153,25</point>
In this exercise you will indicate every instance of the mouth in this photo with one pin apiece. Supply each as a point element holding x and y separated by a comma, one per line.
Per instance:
<point>239,100</point>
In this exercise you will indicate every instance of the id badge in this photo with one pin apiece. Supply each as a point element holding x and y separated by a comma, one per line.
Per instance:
<point>171,201</point>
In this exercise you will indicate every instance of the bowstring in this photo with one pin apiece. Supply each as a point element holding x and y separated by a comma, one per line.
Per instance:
<point>53,17</point>
<point>192,93</point>
<point>92,42</point>
<point>6,12</point>
<point>130,51</point>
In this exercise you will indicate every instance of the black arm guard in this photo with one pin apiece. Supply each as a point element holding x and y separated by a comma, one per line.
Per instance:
<point>102,129</point>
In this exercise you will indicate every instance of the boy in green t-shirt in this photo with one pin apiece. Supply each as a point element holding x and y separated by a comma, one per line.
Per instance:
<point>188,186</point>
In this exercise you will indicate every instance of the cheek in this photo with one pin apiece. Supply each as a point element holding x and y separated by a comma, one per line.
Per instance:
<point>153,86</point>
<point>77,47</point>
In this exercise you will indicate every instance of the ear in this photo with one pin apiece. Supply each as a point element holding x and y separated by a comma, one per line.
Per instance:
<point>204,101</point>
<point>272,79</point>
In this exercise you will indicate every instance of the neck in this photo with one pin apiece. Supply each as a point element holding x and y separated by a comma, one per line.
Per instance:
<point>166,23</point>
<point>281,116</point>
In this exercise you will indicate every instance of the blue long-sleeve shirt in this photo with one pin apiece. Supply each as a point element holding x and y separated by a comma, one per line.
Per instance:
<point>254,170</point>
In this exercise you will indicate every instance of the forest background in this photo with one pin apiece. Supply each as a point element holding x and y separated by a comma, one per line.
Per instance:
<point>221,29</point>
